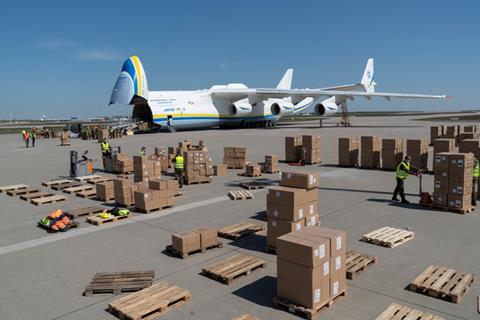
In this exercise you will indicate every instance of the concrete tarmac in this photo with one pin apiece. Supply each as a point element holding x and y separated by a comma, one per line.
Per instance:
<point>43,275</point>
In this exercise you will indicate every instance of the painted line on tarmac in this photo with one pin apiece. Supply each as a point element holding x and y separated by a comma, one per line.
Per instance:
<point>75,233</point>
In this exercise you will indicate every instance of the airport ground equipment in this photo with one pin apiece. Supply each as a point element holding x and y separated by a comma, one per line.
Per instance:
<point>79,167</point>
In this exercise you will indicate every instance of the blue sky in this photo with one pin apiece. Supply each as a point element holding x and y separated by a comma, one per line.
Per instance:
<point>61,58</point>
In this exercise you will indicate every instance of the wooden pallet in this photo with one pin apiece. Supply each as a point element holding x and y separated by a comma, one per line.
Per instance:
<point>240,230</point>
<point>251,185</point>
<point>89,193</point>
<point>100,180</point>
<point>13,187</point>
<point>357,263</point>
<point>92,177</point>
<point>62,186</point>
<point>49,199</point>
<point>18,192</point>
<point>246,317</point>
<point>86,211</point>
<point>399,312</point>
<point>170,250</point>
<point>459,211</point>
<point>308,313</point>
<point>443,283</point>
<point>77,189</point>
<point>150,302</point>
<point>98,220</point>
<point>154,209</point>
<point>55,182</point>
<point>119,282</point>
<point>244,174</point>
<point>240,195</point>
<point>388,237</point>
<point>30,196</point>
<point>233,267</point>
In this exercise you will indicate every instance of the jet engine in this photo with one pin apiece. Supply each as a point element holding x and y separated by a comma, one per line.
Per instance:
<point>280,107</point>
<point>239,108</point>
<point>325,108</point>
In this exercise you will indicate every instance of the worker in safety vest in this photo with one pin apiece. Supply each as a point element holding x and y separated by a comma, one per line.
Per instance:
<point>26,137</point>
<point>179,162</point>
<point>476,174</point>
<point>105,147</point>
<point>33,135</point>
<point>143,151</point>
<point>403,170</point>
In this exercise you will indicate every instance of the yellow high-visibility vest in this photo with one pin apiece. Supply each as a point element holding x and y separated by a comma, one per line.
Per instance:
<point>179,162</point>
<point>401,173</point>
<point>105,146</point>
<point>476,170</point>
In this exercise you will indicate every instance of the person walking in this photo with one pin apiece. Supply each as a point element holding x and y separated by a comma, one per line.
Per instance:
<point>179,167</point>
<point>26,137</point>
<point>476,174</point>
<point>33,135</point>
<point>143,151</point>
<point>404,169</point>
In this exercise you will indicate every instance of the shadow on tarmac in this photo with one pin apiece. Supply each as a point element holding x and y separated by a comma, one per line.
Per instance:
<point>260,292</point>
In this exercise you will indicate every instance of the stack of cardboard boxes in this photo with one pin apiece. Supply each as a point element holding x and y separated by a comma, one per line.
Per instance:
<point>220,170</point>
<point>190,241</point>
<point>234,157</point>
<point>468,135</point>
<point>105,191</point>
<point>145,169</point>
<point>253,170</point>
<point>453,180</point>
<point>451,132</point>
<point>311,269</point>
<point>198,167</point>
<point>470,145</point>
<point>292,206</point>
<point>306,147</point>
<point>270,165</point>
<point>292,146</point>
<point>311,144</point>
<point>124,191</point>
<point>392,153</point>
<point>64,139</point>
<point>161,154</point>
<point>370,152</point>
<point>160,194</point>
<point>418,150</point>
<point>436,132</point>
<point>442,145</point>
<point>103,134</point>
<point>118,163</point>
<point>348,152</point>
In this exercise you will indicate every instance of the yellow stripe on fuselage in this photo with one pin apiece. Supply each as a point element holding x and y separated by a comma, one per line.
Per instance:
<point>138,70</point>
<point>184,115</point>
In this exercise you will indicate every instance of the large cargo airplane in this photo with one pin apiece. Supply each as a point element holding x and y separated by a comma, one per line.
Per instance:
<point>235,104</point>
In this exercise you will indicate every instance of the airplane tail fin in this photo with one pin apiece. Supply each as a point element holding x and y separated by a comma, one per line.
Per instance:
<point>367,79</point>
<point>131,83</point>
<point>286,81</point>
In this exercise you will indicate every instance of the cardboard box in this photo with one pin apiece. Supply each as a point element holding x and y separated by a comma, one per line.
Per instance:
<point>303,248</point>
<point>220,170</point>
<point>186,241</point>
<point>442,161</point>
<point>311,287</point>
<point>444,145</point>
<point>311,142</point>
<point>441,181</point>
<point>338,282</point>
<point>436,132</point>
<point>460,201</point>
<point>253,170</point>
<point>440,199</point>
<point>304,180</point>
<point>460,161</point>
<point>208,237</point>
<point>312,221</point>
<point>277,228</point>
<point>105,191</point>
<point>291,197</point>
<point>338,239</point>
<point>287,213</point>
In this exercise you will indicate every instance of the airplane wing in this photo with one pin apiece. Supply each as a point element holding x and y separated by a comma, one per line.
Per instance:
<point>300,94</point>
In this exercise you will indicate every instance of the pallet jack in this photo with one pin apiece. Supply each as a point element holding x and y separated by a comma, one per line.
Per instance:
<point>425,198</point>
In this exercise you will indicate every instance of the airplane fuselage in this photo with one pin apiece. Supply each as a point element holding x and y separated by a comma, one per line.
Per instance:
<point>199,109</point>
